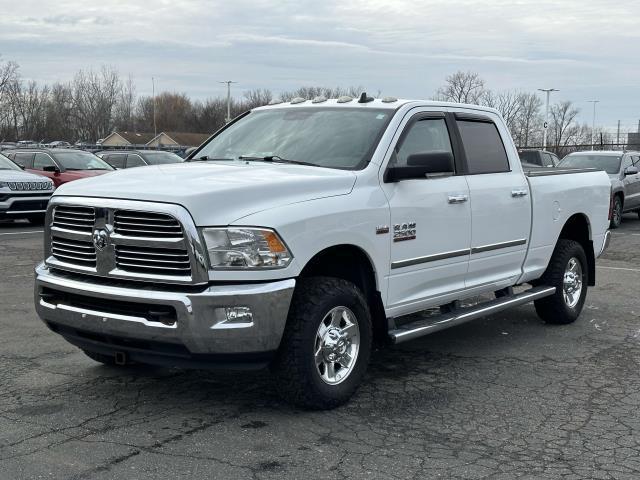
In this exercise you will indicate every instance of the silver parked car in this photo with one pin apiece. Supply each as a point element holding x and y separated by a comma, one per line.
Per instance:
<point>622,168</point>
<point>22,194</point>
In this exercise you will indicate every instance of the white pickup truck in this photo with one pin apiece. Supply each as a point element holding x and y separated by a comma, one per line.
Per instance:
<point>302,232</point>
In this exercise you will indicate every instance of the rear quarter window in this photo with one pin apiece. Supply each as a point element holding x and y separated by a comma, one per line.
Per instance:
<point>483,147</point>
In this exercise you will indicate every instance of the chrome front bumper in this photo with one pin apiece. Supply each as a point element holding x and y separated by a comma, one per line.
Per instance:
<point>199,323</point>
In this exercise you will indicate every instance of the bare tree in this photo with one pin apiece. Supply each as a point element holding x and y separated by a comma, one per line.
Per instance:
<point>564,129</point>
<point>257,98</point>
<point>462,87</point>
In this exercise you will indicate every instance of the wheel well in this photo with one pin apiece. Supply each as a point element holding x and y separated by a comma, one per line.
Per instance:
<point>577,228</point>
<point>351,263</point>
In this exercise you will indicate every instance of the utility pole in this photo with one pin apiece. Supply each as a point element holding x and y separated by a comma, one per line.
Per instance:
<point>593,124</point>
<point>618,135</point>
<point>153,90</point>
<point>546,115</point>
<point>228,82</point>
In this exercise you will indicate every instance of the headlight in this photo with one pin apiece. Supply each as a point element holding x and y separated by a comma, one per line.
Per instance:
<point>245,248</point>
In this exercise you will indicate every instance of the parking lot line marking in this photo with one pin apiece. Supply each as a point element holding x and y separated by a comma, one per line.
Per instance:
<point>620,268</point>
<point>22,233</point>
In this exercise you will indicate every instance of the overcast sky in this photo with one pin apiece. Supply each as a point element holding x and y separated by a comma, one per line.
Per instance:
<point>587,49</point>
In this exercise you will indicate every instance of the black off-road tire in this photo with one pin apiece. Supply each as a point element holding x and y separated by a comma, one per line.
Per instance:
<point>297,377</point>
<point>554,309</point>
<point>109,360</point>
<point>616,215</point>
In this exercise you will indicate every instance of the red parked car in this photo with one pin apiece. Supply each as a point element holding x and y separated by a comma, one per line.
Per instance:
<point>60,165</point>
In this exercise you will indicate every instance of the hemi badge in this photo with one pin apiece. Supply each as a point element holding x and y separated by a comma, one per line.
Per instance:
<point>382,229</point>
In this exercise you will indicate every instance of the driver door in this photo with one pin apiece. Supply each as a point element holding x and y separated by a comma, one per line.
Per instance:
<point>430,221</point>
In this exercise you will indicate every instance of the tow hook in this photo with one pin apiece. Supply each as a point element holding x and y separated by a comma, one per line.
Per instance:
<point>121,358</point>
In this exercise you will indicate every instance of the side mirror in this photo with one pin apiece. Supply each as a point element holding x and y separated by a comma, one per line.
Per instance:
<point>421,165</point>
<point>631,171</point>
<point>51,168</point>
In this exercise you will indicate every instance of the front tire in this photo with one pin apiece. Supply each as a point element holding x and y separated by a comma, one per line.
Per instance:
<point>616,214</point>
<point>326,345</point>
<point>568,271</point>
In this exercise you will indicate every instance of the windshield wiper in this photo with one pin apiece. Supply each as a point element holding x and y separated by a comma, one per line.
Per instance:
<point>275,159</point>
<point>205,158</point>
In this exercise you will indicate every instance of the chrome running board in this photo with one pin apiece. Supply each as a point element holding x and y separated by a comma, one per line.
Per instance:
<point>434,324</point>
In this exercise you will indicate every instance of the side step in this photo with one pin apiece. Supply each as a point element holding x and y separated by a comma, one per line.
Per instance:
<point>434,324</point>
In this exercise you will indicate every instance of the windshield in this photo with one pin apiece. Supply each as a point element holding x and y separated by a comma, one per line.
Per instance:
<point>608,163</point>
<point>6,164</point>
<point>161,158</point>
<point>81,161</point>
<point>341,138</point>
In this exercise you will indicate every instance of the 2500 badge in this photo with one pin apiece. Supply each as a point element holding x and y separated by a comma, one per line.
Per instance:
<point>404,231</point>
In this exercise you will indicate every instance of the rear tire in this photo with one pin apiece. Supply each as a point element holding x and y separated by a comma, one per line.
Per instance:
<point>325,349</point>
<point>616,214</point>
<point>568,271</point>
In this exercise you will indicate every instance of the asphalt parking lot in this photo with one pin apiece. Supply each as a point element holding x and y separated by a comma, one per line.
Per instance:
<point>504,397</point>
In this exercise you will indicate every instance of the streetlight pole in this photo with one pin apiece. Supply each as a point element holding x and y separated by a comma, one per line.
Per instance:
<point>546,115</point>
<point>593,124</point>
<point>228,82</point>
<point>153,89</point>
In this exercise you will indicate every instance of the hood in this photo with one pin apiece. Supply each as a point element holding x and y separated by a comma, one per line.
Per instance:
<point>21,176</point>
<point>71,175</point>
<point>217,193</point>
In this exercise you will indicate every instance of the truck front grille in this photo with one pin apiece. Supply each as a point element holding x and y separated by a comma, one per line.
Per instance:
<point>120,239</point>
<point>146,224</point>
<point>153,261</point>
<point>71,217</point>
<point>75,252</point>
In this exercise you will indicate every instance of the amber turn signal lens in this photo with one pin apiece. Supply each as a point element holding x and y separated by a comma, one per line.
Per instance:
<point>275,245</point>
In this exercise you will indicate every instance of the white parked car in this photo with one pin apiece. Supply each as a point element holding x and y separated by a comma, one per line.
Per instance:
<point>22,194</point>
<point>303,231</point>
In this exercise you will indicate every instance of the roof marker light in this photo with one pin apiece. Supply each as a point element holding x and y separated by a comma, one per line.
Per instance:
<point>298,100</point>
<point>319,99</point>
<point>389,99</point>
<point>344,99</point>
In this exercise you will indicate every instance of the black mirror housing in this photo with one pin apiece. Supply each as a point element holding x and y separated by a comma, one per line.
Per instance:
<point>631,171</point>
<point>421,165</point>
<point>50,168</point>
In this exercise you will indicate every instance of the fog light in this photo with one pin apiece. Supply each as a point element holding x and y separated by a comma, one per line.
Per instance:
<point>233,317</point>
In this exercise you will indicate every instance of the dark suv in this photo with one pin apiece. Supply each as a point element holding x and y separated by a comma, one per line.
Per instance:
<point>539,158</point>
<point>138,158</point>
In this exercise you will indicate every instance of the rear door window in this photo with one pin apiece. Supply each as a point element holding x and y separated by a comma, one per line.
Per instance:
<point>483,147</point>
<point>134,160</point>
<point>116,160</point>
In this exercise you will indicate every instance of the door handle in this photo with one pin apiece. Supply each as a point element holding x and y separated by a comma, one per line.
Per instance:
<point>458,198</point>
<point>519,193</point>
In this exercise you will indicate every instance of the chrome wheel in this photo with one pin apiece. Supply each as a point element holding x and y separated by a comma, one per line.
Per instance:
<point>572,283</point>
<point>336,345</point>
